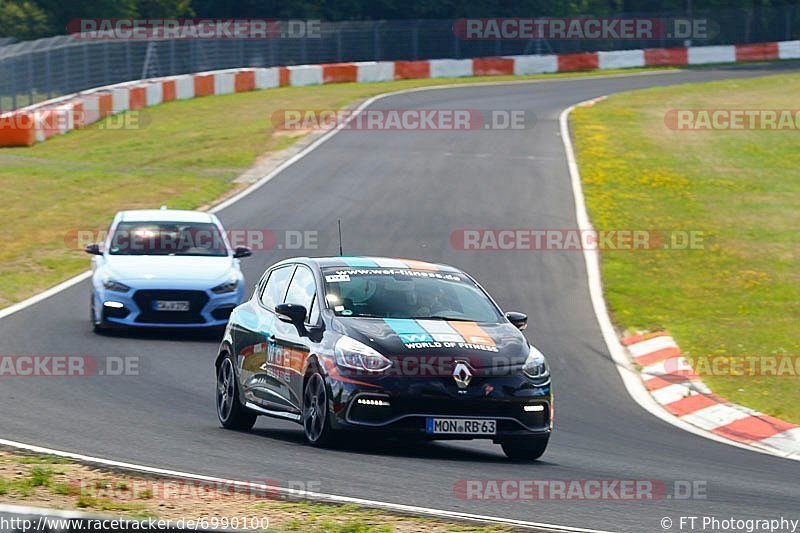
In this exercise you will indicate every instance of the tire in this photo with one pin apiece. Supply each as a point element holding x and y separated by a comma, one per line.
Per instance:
<point>230,411</point>
<point>316,415</point>
<point>525,449</point>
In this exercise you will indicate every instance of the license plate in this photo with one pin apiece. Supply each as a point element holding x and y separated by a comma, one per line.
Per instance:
<point>460,426</point>
<point>170,305</point>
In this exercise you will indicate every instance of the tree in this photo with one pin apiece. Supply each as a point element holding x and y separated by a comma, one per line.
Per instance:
<point>22,19</point>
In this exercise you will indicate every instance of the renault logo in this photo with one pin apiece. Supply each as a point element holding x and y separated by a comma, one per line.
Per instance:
<point>462,375</point>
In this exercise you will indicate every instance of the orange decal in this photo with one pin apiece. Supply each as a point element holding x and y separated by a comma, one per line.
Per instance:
<point>418,265</point>
<point>472,332</point>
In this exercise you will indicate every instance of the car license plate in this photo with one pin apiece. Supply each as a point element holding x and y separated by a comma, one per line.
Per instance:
<point>460,426</point>
<point>170,305</point>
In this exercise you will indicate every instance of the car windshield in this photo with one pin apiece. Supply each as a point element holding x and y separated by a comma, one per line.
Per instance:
<point>401,293</point>
<point>167,238</point>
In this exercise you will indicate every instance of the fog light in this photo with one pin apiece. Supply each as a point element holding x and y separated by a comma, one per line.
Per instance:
<point>533,408</point>
<point>113,305</point>
<point>374,403</point>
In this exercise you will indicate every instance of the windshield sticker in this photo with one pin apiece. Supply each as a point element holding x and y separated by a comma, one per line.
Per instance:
<point>337,278</point>
<point>394,272</point>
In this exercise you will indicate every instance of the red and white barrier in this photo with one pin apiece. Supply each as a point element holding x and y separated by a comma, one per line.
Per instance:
<point>120,100</point>
<point>303,75</point>
<point>184,87</point>
<point>154,93</point>
<point>789,50</point>
<point>450,68</point>
<point>621,59</point>
<point>524,65</point>
<point>703,55</point>
<point>267,78</point>
<point>224,82</point>
<point>91,106</point>
<point>374,71</point>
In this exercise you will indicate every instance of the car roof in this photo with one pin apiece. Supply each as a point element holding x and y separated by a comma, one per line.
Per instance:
<point>379,262</point>
<point>164,215</point>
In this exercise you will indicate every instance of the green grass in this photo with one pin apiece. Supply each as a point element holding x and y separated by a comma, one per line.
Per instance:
<point>316,517</point>
<point>186,155</point>
<point>740,294</point>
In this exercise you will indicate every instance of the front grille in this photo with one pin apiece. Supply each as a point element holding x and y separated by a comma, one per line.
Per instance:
<point>223,312</point>
<point>145,298</point>
<point>469,407</point>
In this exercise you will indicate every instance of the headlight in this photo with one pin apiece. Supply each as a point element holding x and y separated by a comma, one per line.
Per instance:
<point>353,354</point>
<point>535,366</point>
<point>115,286</point>
<point>228,286</point>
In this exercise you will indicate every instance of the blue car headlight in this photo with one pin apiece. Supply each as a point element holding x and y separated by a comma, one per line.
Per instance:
<point>535,366</point>
<point>224,288</point>
<point>115,286</point>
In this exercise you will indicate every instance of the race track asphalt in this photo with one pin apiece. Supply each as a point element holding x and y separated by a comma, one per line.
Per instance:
<point>402,194</point>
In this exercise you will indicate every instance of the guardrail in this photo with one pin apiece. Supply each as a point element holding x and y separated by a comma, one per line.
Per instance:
<point>40,122</point>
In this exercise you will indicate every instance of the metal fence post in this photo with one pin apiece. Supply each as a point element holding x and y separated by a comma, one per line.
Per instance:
<point>48,74</point>
<point>128,60</point>
<point>415,40</point>
<point>30,78</point>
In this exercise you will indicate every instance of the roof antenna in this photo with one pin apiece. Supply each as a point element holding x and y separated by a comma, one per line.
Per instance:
<point>339,221</point>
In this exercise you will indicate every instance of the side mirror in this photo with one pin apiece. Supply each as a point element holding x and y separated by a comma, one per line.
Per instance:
<point>242,251</point>
<point>293,314</point>
<point>93,249</point>
<point>520,320</point>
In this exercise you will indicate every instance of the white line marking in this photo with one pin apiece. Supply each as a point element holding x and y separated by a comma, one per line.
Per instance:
<point>305,495</point>
<point>630,377</point>
<point>64,285</point>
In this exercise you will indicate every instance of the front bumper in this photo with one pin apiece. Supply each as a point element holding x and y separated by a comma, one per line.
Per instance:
<point>404,405</point>
<point>135,307</point>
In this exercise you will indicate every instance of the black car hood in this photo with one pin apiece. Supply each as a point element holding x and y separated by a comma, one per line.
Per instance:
<point>483,345</point>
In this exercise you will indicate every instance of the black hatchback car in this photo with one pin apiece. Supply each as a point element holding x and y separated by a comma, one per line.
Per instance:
<point>343,344</point>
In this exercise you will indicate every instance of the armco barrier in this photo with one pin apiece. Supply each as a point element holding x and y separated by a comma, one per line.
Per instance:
<point>27,126</point>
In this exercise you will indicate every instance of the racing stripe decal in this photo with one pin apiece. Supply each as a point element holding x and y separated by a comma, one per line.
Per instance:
<point>390,263</point>
<point>408,330</point>
<point>441,331</point>
<point>418,265</point>
<point>472,332</point>
<point>359,262</point>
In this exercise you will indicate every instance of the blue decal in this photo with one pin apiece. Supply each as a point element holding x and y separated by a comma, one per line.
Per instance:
<point>408,330</point>
<point>359,262</point>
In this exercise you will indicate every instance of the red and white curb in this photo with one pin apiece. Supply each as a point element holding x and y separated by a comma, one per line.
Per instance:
<point>39,122</point>
<point>674,385</point>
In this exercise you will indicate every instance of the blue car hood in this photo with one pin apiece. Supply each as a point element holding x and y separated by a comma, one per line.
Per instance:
<point>155,267</point>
